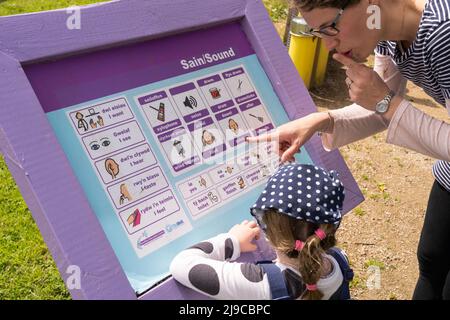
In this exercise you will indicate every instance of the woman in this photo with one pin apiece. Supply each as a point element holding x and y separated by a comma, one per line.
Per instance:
<point>411,43</point>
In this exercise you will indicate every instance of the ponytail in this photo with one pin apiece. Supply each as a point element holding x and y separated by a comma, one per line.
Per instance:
<point>310,259</point>
<point>285,233</point>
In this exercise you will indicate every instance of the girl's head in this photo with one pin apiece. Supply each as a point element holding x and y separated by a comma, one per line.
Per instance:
<point>345,25</point>
<point>300,211</point>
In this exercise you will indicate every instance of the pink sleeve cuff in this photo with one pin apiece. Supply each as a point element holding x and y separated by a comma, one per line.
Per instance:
<point>394,124</point>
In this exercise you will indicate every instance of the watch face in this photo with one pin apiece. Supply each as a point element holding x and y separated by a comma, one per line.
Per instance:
<point>382,107</point>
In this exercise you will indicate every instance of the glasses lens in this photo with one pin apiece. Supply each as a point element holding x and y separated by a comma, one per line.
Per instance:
<point>329,31</point>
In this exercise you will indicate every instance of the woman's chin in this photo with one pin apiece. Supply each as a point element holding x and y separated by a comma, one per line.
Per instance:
<point>360,58</point>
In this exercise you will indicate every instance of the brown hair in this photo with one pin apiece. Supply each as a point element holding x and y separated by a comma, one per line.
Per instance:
<point>282,231</point>
<point>309,5</point>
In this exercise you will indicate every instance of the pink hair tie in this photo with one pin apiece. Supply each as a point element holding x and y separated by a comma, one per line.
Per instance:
<point>321,234</point>
<point>299,245</point>
<point>311,287</point>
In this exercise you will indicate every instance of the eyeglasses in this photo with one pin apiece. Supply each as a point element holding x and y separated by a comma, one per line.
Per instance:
<point>329,30</point>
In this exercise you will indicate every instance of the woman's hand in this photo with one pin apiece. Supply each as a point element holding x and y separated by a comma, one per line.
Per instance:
<point>365,86</point>
<point>290,137</point>
<point>246,232</point>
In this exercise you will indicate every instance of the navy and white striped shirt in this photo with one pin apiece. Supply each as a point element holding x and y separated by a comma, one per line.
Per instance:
<point>427,63</point>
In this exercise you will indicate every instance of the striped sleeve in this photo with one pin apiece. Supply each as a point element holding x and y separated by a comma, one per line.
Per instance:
<point>441,171</point>
<point>382,48</point>
<point>437,48</point>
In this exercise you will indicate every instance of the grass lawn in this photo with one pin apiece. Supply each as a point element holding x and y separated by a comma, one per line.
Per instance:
<point>27,270</point>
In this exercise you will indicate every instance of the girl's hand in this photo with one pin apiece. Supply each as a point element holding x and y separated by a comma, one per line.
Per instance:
<point>365,86</point>
<point>290,137</point>
<point>246,232</point>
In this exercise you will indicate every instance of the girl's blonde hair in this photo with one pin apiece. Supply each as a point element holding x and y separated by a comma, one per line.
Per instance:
<point>283,231</point>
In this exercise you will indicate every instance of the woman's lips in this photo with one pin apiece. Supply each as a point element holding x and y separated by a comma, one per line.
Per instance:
<point>348,54</point>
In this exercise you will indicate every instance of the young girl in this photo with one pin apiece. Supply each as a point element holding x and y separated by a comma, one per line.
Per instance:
<point>299,211</point>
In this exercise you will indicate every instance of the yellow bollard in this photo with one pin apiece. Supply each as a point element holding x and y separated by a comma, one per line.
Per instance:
<point>302,49</point>
<point>321,65</point>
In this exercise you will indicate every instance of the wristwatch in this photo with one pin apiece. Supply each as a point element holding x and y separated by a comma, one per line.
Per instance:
<point>383,106</point>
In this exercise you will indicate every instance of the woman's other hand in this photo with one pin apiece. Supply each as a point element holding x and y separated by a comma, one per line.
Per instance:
<point>365,86</point>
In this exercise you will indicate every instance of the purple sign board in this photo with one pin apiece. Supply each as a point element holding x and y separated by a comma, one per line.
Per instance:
<point>106,83</point>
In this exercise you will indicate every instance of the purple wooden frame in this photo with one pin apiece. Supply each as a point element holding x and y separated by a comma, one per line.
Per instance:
<point>36,160</point>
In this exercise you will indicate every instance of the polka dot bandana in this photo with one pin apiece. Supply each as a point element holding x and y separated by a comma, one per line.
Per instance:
<point>305,192</point>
